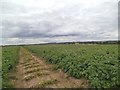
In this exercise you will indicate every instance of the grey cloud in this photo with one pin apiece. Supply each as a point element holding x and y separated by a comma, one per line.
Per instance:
<point>74,21</point>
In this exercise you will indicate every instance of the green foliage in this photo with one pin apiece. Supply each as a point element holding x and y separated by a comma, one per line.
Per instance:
<point>97,63</point>
<point>9,60</point>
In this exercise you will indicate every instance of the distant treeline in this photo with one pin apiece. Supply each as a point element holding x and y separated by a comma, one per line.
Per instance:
<point>89,42</point>
<point>86,42</point>
<point>94,42</point>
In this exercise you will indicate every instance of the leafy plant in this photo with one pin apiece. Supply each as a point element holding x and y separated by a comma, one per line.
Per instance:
<point>97,63</point>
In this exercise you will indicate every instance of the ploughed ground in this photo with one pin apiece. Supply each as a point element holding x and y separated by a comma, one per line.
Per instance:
<point>33,72</point>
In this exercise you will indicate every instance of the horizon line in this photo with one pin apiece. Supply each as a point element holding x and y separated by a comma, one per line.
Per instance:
<point>62,42</point>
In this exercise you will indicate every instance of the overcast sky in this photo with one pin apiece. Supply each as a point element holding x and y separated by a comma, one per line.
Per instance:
<point>44,21</point>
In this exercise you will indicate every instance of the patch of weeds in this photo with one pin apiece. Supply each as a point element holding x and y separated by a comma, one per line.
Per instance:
<point>45,83</point>
<point>41,73</point>
<point>35,70</point>
<point>27,64</point>
<point>31,66</point>
<point>29,77</point>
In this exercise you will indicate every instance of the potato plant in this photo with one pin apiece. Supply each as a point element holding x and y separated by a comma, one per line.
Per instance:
<point>97,63</point>
<point>9,60</point>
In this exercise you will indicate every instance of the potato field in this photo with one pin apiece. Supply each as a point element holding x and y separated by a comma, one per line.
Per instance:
<point>97,64</point>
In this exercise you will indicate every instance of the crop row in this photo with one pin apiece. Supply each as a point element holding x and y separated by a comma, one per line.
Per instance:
<point>9,60</point>
<point>97,63</point>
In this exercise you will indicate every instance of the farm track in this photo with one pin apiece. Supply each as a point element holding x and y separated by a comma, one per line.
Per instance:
<point>32,72</point>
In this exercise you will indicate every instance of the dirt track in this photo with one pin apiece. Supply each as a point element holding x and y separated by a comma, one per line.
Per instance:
<point>33,72</point>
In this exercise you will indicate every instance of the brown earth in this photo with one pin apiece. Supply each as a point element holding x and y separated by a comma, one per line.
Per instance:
<point>33,72</point>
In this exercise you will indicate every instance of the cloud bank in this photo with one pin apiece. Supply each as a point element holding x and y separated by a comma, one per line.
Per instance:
<point>45,21</point>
